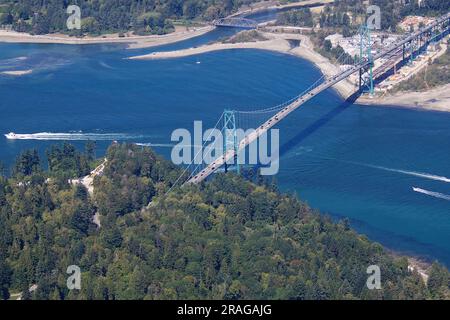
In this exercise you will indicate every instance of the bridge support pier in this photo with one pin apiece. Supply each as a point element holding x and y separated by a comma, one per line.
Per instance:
<point>412,49</point>
<point>365,54</point>
<point>230,137</point>
<point>404,52</point>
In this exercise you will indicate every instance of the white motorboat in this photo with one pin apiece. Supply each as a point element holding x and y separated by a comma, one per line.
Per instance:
<point>11,136</point>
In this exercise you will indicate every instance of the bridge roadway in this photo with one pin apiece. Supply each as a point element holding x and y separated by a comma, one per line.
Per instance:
<point>230,154</point>
<point>236,23</point>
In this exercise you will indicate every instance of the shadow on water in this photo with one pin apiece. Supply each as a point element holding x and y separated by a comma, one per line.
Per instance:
<point>343,106</point>
<point>302,135</point>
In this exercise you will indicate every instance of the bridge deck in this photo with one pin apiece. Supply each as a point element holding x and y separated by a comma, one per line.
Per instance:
<point>390,52</point>
<point>236,23</point>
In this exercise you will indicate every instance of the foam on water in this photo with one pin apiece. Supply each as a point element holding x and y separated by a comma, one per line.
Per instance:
<point>105,65</point>
<point>414,173</point>
<point>75,136</point>
<point>155,98</point>
<point>12,63</point>
<point>407,172</point>
<point>8,62</point>
<point>163,145</point>
<point>432,193</point>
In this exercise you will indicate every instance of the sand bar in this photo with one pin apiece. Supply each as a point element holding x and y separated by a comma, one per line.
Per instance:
<point>437,99</point>
<point>276,42</point>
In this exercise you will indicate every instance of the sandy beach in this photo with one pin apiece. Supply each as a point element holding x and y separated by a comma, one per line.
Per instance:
<point>133,41</point>
<point>279,45</point>
<point>276,42</point>
<point>437,99</point>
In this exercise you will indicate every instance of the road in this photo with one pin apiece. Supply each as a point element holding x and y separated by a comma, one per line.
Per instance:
<point>390,52</point>
<point>88,181</point>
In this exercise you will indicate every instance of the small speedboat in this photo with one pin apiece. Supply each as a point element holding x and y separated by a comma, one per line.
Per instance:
<point>11,136</point>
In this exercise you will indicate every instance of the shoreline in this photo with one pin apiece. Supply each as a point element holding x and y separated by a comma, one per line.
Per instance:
<point>435,99</point>
<point>276,43</point>
<point>418,264</point>
<point>133,41</point>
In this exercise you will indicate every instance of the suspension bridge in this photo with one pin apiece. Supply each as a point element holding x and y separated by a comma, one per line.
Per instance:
<point>406,49</point>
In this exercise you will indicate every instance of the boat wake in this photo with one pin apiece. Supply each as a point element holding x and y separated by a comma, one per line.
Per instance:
<point>72,136</point>
<point>432,193</point>
<point>162,145</point>
<point>407,172</point>
<point>105,65</point>
<point>415,174</point>
<point>12,61</point>
<point>410,173</point>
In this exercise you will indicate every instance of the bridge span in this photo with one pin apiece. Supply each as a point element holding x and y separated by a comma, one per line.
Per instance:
<point>236,22</point>
<point>421,36</point>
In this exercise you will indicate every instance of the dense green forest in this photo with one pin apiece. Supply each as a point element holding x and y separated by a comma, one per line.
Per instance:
<point>392,12</point>
<point>426,7</point>
<point>299,18</point>
<point>102,16</point>
<point>347,15</point>
<point>325,48</point>
<point>228,238</point>
<point>158,17</point>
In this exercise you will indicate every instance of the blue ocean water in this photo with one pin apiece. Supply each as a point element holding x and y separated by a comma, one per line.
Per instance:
<point>345,160</point>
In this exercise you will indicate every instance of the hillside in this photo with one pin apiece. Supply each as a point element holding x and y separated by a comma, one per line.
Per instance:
<point>227,239</point>
<point>159,17</point>
<point>107,16</point>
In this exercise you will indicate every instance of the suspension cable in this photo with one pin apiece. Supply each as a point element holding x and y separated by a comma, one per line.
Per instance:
<point>193,160</point>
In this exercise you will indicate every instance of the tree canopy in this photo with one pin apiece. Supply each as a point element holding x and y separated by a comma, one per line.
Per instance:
<point>102,16</point>
<point>229,238</point>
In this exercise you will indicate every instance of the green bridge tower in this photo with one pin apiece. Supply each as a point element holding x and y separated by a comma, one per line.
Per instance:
<point>365,54</point>
<point>230,137</point>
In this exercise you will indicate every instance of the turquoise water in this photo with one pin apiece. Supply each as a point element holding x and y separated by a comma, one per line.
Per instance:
<point>346,160</point>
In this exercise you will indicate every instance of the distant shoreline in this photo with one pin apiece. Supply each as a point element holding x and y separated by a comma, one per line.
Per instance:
<point>437,99</point>
<point>277,43</point>
<point>415,263</point>
<point>133,41</point>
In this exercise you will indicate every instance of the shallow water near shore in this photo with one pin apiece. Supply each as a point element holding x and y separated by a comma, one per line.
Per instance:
<point>384,168</point>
